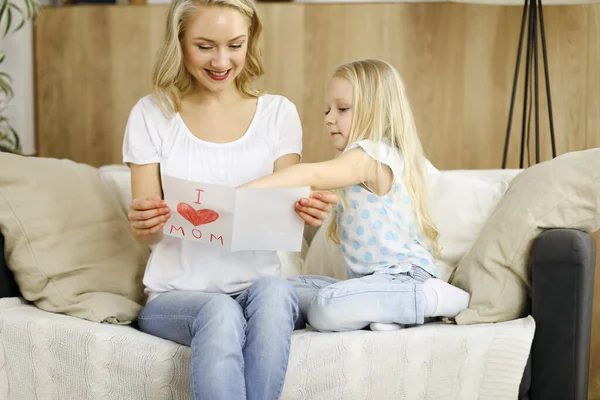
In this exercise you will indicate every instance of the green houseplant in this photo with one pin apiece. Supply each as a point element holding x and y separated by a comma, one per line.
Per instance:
<point>13,15</point>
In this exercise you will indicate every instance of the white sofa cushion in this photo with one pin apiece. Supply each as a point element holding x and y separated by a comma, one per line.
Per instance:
<point>460,202</point>
<point>53,356</point>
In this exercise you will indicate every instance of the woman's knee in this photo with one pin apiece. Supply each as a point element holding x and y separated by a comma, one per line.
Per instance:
<point>274,289</point>
<point>179,316</point>
<point>273,293</point>
<point>221,315</point>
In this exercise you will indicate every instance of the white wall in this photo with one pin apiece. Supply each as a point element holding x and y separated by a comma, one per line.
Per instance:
<point>18,63</point>
<point>18,48</point>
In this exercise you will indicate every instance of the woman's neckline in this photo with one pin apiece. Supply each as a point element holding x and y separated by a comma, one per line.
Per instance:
<point>242,138</point>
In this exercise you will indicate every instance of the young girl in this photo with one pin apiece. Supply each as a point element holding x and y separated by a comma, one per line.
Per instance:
<point>387,238</point>
<point>204,122</point>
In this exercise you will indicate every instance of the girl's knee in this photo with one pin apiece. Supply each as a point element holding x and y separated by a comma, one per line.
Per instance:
<point>323,315</point>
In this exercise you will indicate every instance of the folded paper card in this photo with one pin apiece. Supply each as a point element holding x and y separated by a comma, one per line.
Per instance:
<point>235,219</point>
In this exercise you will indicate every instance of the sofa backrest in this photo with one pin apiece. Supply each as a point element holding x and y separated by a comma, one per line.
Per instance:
<point>460,202</point>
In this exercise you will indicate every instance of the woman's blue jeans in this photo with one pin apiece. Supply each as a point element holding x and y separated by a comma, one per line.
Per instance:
<point>240,345</point>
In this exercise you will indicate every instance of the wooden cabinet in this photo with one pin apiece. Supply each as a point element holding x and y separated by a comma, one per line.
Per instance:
<point>92,63</point>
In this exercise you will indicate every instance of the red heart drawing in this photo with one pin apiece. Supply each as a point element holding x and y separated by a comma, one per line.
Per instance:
<point>197,217</point>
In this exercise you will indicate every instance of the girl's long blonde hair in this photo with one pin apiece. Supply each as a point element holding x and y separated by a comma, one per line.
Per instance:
<point>382,113</point>
<point>171,79</point>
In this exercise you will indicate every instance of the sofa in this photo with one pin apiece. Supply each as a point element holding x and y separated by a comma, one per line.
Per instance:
<point>542,354</point>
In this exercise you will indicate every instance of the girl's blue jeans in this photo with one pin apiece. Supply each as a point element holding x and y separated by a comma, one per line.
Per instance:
<point>329,305</point>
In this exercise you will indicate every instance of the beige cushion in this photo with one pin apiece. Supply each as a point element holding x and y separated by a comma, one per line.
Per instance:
<point>68,241</point>
<point>560,193</point>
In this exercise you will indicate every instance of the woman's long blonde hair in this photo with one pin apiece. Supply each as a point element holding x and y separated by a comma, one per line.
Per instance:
<point>171,79</point>
<point>382,113</point>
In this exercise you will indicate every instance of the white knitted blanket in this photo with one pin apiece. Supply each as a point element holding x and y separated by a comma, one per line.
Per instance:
<point>48,356</point>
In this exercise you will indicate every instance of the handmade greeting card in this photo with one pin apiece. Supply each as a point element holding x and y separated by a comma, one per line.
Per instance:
<point>234,219</point>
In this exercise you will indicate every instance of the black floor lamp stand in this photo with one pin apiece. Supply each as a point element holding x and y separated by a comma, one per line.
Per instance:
<point>532,14</point>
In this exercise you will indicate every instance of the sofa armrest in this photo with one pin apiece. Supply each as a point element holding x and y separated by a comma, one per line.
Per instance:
<point>561,304</point>
<point>8,286</point>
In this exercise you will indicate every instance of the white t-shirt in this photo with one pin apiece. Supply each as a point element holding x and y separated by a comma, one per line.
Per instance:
<point>378,234</point>
<point>150,137</point>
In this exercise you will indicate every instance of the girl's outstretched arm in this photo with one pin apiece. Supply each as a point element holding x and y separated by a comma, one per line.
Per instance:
<point>315,208</point>
<point>350,168</point>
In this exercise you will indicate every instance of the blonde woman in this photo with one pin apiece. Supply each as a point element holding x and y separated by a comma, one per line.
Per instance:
<point>204,122</point>
<point>386,235</point>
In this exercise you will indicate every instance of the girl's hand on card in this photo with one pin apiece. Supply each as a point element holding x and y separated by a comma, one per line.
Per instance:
<point>147,216</point>
<point>315,209</point>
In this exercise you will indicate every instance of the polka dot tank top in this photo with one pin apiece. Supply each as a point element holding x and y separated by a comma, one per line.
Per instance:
<point>378,234</point>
